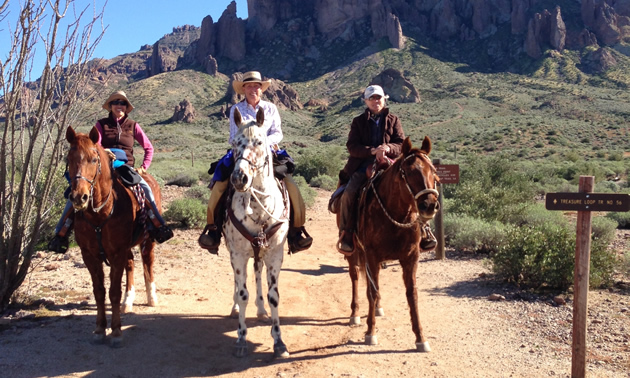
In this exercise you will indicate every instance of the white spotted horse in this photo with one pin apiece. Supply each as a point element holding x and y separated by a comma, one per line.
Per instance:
<point>393,209</point>
<point>256,226</point>
<point>108,223</point>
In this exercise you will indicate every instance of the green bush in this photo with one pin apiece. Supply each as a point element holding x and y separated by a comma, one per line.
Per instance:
<point>184,179</point>
<point>187,211</point>
<point>200,192</point>
<point>537,256</point>
<point>311,163</point>
<point>465,233</point>
<point>622,219</point>
<point>324,182</point>
<point>536,214</point>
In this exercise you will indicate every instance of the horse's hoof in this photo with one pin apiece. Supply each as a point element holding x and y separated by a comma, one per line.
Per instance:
<point>280,350</point>
<point>355,320</point>
<point>98,338</point>
<point>371,340</point>
<point>240,349</point>
<point>116,342</point>
<point>263,317</point>
<point>380,311</point>
<point>423,347</point>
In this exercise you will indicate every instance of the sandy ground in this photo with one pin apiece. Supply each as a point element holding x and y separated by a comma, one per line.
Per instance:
<point>190,333</point>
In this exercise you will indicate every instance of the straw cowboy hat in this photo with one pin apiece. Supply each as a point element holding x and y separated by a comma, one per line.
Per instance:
<point>250,77</point>
<point>118,95</point>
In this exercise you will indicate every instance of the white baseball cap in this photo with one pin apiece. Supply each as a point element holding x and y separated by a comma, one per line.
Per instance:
<point>373,90</point>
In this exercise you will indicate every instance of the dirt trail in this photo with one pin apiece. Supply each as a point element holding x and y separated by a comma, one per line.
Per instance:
<point>190,333</point>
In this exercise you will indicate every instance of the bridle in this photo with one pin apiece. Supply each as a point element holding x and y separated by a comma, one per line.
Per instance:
<point>92,182</point>
<point>415,196</point>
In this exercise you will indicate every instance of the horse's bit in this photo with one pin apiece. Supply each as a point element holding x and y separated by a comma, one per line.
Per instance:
<point>78,176</point>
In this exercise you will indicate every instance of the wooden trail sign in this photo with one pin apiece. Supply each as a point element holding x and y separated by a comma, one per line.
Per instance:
<point>584,203</point>
<point>448,174</point>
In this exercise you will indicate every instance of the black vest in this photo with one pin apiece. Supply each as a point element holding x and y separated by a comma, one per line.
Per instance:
<point>119,137</point>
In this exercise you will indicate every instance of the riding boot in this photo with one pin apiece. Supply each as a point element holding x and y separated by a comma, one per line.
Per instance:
<point>61,241</point>
<point>160,231</point>
<point>345,245</point>
<point>297,241</point>
<point>210,239</point>
<point>428,241</point>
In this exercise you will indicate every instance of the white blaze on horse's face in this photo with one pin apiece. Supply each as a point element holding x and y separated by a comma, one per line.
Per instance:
<point>250,151</point>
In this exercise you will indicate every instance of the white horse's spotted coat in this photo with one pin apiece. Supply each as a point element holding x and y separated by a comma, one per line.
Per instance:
<point>253,175</point>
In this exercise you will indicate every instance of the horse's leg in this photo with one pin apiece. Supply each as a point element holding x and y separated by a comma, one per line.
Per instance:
<point>235,308</point>
<point>273,260</point>
<point>115,293</point>
<point>148,258</point>
<point>372,271</point>
<point>260,303</point>
<point>241,297</point>
<point>353,268</point>
<point>95,267</point>
<point>410,266</point>
<point>130,290</point>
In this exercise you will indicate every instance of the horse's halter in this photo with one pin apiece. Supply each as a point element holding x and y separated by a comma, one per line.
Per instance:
<point>426,184</point>
<point>78,176</point>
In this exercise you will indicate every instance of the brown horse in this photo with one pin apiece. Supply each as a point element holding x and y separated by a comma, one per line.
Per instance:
<point>106,228</point>
<point>392,213</point>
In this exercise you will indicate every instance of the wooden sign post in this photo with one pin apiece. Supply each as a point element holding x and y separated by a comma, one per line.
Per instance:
<point>584,202</point>
<point>448,174</point>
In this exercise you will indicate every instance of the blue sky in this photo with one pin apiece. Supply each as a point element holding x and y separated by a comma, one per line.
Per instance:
<point>133,23</point>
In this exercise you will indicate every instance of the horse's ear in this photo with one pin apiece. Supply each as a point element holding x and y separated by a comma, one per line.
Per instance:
<point>406,146</point>
<point>426,145</point>
<point>70,134</point>
<point>260,117</point>
<point>94,134</point>
<point>237,117</point>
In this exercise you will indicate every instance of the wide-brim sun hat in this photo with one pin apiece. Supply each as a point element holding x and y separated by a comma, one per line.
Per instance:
<point>250,77</point>
<point>118,95</point>
<point>374,90</point>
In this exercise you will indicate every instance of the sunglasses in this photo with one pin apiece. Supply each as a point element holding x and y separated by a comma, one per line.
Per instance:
<point>118,102</point>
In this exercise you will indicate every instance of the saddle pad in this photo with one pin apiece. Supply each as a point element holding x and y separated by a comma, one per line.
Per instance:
<point>335,199</point>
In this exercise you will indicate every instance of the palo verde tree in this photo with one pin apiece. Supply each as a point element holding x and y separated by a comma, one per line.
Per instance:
<point>34,115</point>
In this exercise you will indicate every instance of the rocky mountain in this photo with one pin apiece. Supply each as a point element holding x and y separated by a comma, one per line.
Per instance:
<point>285,38</point>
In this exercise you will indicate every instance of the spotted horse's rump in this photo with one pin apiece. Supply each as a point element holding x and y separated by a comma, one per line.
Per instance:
<point>256,227</point>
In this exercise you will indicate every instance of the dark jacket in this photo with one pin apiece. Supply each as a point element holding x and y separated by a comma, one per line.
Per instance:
<point>359,140</point>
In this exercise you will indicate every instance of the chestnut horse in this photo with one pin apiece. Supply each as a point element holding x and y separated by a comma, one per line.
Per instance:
<point>106,228</point>
<point>256,227</point>
<point>392,213</point>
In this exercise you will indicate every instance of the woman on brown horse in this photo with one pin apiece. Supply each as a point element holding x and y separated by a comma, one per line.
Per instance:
<point>377,135</point>
<point>118,131</point>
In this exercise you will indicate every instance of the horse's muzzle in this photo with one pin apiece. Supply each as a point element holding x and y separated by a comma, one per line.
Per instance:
<point>429,207</point>
<point>240,181</point>
<point>79,200</point>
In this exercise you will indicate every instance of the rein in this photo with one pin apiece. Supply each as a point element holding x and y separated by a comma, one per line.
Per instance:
<point>78,176</point>
<point>99,233</point>
<point>415,197</point>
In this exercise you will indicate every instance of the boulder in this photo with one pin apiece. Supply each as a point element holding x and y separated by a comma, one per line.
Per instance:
<point>283,95</point>
<point>396,86</point>
<point>598,61</point>
<point>557,30</point>
<point>207,40</point>
<point>230,39</point>
<point>184,112</point>
<point>162,60</point>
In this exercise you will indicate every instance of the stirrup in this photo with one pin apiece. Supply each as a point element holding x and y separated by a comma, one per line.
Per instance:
<point>341,244</point>
<point>297,242</point>
<point>429,242</point>
<point>210,239</point>
<point>162,234</point>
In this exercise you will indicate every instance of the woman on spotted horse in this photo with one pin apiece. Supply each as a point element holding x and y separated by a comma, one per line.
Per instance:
<point>375,135</point>
<point>117,134</point>
<point>252,87</point>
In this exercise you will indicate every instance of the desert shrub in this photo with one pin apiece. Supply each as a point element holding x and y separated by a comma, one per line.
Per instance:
<point>622,219</point>
<point>537,256</point>
<point>536,214</point>
<point>324,182</point>
<point>308,193</point>
<point>183,179</point>
<point>187,211</point>
<point>466,233</point>
<point>490,189</point>
<point>603,229</point>
<point>603,259</point>
<point>200,192</point>
<point>311,163</point>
